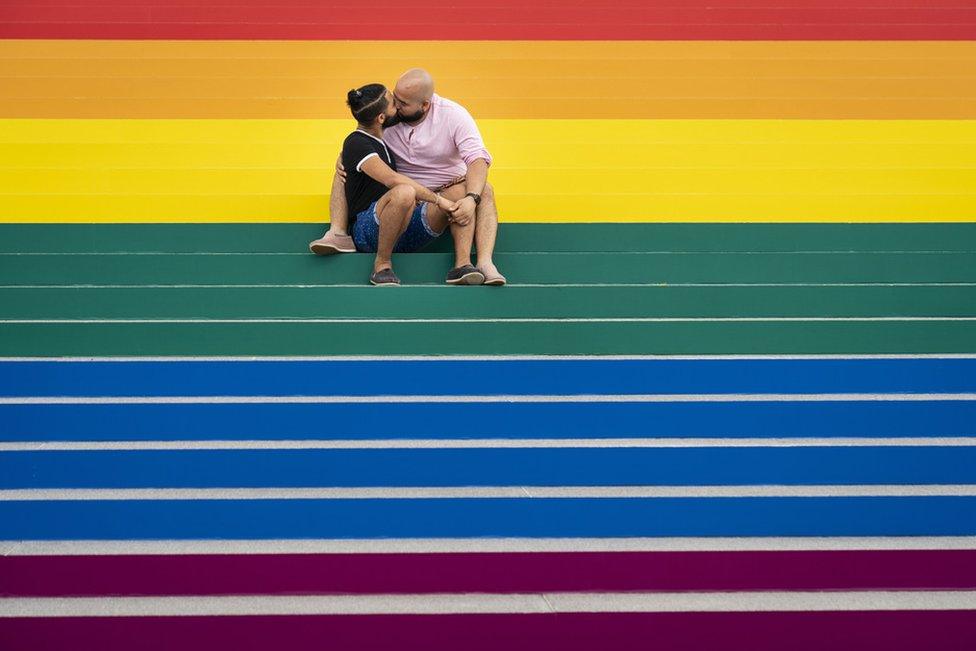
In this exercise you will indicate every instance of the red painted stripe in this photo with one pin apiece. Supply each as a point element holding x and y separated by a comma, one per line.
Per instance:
<point>501,19</point>
<point>38,576</point>
<point>493,4</point>
<point>471,31</point>
<point>765,631</point>
<point>611,16</point>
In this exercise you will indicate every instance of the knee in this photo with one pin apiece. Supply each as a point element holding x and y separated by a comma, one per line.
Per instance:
<point>403,195</point>
<point>487,201</point>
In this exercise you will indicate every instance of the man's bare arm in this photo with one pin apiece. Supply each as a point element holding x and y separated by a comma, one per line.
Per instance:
<point>477,176</point>
<point>379,171</point>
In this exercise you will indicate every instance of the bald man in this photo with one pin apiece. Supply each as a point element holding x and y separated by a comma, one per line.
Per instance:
<point>436,143</point>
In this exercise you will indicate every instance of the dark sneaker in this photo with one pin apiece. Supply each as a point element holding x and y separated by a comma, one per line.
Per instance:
<point>466,275</point>
<point>331,243</point>
<point>384,277</point>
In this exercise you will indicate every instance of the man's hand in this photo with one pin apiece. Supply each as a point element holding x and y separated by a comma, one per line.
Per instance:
<point>447,206</point>
<point>340,170</point>
<point>465,211</point>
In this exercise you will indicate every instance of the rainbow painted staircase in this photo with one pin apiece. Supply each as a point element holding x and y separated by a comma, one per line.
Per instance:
<point>727,401</point>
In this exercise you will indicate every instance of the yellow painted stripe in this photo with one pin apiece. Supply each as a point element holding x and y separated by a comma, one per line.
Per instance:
<point>644,182</point>
<point>545,170</point>
<point>509,155</point>
<point>589,208</point>
<point>493,79</point>
<point>531,132</point>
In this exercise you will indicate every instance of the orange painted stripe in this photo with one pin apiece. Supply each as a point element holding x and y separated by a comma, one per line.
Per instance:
<point>494,79</point>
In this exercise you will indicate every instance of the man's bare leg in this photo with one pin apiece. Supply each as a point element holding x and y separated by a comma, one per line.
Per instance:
<point>336,239</point>
<point>393,210</point>
<point>486,231</point>
<point>463,235</point>
<point>338,209</point>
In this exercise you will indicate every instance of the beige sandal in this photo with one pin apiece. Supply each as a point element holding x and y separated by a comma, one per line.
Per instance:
<point>494,281</point>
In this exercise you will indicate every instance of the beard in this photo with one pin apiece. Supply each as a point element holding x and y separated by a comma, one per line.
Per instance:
<point>393,120</point>
<point>414,117</point>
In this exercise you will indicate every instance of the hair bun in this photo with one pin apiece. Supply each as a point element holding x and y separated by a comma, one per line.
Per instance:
<point>367,102</point>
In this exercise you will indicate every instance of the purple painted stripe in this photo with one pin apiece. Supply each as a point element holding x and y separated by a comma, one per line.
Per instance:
<point>797,631</point>
<point>276,574</point>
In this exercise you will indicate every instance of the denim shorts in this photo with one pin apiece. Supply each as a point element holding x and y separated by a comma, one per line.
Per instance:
<point>366,231</point>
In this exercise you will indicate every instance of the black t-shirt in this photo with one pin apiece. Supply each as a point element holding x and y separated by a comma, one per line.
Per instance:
<point>361,189</point>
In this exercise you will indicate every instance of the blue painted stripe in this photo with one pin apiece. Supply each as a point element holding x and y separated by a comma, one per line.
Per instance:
<point>487,467</point>
<point>67,422</point>
<point>506,517</point>
<point>466,377</point>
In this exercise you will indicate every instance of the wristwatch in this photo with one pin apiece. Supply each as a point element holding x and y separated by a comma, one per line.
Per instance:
<point>476,197</point>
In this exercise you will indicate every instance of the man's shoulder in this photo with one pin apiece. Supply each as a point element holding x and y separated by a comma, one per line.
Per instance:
<point>354,138</point>
<point>357,141</point>
<point>450,107</point>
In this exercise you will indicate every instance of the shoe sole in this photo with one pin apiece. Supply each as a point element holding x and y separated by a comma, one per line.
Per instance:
<point>328,249</point>
<point>376,284</point>
<point>472,278</point>
<point>495,282</point>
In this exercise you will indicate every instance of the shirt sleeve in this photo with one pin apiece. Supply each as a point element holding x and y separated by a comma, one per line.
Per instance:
<point>359,165</point>
<point>468,138</point>
<point>355,151</point>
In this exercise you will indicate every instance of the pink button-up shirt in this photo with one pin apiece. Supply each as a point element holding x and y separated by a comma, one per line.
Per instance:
<point>438,149</point>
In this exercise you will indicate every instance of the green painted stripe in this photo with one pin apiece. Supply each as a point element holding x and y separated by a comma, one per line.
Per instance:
<point>182,238</point>
<point>551,268</point>
<point>481,338</point>
<point>485,302</point>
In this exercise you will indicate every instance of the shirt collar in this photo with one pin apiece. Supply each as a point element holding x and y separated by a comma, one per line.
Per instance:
<point>370,135</point>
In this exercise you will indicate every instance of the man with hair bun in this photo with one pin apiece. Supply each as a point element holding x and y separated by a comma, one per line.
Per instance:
<point>436,143</point>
